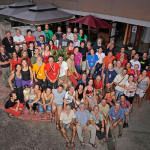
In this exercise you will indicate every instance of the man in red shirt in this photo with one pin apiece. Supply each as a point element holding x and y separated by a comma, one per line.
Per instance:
<point>119,54</point>
<point>52,71</point>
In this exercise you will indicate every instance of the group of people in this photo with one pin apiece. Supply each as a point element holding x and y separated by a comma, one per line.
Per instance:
<point>94,90</point>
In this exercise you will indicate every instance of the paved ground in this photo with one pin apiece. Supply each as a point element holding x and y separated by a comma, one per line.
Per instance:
<point>16,134</point>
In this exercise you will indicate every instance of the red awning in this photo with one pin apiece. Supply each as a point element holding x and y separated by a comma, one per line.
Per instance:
<point>92,22</point>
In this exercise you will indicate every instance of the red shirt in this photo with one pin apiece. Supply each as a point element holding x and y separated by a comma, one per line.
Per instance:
<point>69,51</point>
<point>54,47</point>
<point>28,39</point>
<point>13,62</point>
<point>52,70</point>
<point>124,62</point>
<point>135,73</point>
<point>148,74</point>
<point>98,85</point>
<point>118,56</point>
<point>28,60</point>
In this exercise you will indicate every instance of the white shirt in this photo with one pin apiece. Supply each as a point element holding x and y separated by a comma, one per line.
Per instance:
<point>100,57</point>
<point>19,39</point>
<point>69,97</point>
<point>119,78</point>
<point>63,69</point>
<point>131,93</point>
<point>135,62</point>
<point>76,43</point>
<point>70,36</point>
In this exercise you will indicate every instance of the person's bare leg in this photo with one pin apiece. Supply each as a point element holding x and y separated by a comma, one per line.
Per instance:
<point>139,104</point>
<point>73,133</point>
<point>137,99</point>
<point>64,134</point>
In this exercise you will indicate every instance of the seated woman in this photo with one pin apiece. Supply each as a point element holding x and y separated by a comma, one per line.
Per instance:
<point>98,84</point>
<point>70,48</point>
<point>15,82</point>
<point>13,61</point>
<point>110,98</point>
<point>24,55</point>
<point>13,106</point>
<point>47,100</point>
<point>46,53</point>
<point>89,95</point>
<point>27,75</point>
<point>79,94</point>
<point>70,98</point>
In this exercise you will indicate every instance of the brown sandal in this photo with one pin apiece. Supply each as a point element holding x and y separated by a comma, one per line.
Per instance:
<point>94,145</point>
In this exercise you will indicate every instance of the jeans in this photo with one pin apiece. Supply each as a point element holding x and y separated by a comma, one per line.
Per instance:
<point>78,68</point>
<point>118,94</point>
<point>48,109</point>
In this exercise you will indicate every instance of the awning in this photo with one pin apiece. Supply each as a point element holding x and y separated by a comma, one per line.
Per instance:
<point>42,14</point>
<point>16,8</point>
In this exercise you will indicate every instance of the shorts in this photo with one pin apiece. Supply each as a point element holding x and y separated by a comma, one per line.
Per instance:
<point>65,125</point>
<point>83,65</point>
<point>57,105</point>
<point>91,71</point>
<point>140,92</point>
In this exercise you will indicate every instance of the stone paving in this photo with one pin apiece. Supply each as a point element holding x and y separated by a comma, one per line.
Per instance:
<point>16,134</point>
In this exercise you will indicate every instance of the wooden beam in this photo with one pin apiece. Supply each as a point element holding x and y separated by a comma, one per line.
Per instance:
<point>125,36</point>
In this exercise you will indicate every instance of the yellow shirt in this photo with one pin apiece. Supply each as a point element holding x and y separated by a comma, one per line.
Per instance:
<point>40,74</point>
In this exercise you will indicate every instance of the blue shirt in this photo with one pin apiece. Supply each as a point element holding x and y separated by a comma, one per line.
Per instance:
<point>117,116</point>
<point>82,117</point>
<point>41,43</point>
<point>110,75</point>
<point>92,60</point>
<point>81,81</point>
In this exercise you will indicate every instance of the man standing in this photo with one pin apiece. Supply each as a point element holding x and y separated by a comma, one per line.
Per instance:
<point>59,33</point>
<point>120,81</point>
<point>99,45</point>
<point>116,116</point>
<point>64,42</point>
<point>63,76</point>
<point>84,51</point>
<point>76,42</point>
<point>39,32</point>
<point>19,39</point>
<point>48,33</point>
<point>36,54</point>
<point>8,43</point>
<point>52,71</point>
<point>118,68</point>
<point>144,62</point>
<point>69,34</point>
<point>38,72</point>
<point>5,65</point>
<point>67,121</point>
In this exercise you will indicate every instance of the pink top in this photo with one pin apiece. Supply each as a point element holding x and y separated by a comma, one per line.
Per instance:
<point>109,99</point>
<point>77,58</point>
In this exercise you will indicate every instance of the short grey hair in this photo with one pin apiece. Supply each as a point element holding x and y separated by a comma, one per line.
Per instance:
<point>82,103</point>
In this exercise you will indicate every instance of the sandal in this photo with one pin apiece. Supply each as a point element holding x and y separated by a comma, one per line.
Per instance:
<point>120,135</point>
<point>82,143</point>
<point>34,113</point>
<point>68,144</point>
<point>94,145</point>
<point>53,119</point>
<point>48,118</point>
<point>72,145</point>
<point>57,126</point>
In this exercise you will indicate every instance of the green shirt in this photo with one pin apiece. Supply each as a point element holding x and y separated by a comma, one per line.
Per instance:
<point>96,119</point>
<point>49,35</point>
<point>33,59</point>
<point>82,39</point>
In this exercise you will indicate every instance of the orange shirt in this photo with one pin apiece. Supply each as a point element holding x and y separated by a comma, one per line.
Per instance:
<point>108,60</point>
<point>14,63</point>
<point>52,70</point>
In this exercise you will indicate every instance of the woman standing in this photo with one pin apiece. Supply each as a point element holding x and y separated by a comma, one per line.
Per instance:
<point>24,55</point>
<point>143,84</point>
<point>82,36</point>
<point>52,46</point>
<point>15,82</point>
<point>70,48</point>
<point>88,95</point>
<point>27,75</point>
<point>47,100</point>
<point>29,37</point>
<point>13,61</point>
<point>46,53</point>
<point>130,87</point>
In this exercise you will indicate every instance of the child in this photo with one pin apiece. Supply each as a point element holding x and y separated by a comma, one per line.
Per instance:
<point>31,98</point>
<point>26,92</point>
